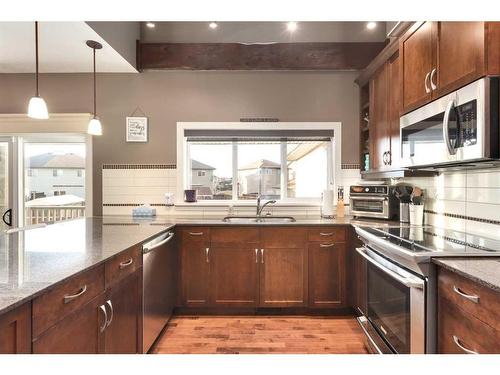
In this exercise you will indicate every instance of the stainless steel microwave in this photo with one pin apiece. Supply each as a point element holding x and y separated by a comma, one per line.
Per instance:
<point>461,127</point>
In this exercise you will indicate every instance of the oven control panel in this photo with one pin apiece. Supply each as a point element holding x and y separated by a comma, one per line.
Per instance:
<point>369,190</point>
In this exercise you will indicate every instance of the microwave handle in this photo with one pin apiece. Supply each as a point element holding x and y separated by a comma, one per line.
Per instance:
<point>409,283</point>
<point>446,133</point>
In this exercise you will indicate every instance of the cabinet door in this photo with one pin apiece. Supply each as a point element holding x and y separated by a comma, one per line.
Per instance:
<point>394,109</point>
<point>379,124</point>
<point>234,276</point>
<point>327,264</point>
<point>124,307</point>
<point>283,277</point>
<point>460,55</point>
<point>79,333</point>
<point>195,272</point>
<point>15,331</point>
<point>416,52</point>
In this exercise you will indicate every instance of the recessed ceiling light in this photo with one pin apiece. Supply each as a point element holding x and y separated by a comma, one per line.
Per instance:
<point>213,25</point>
<point>291,26</point>
<point>151,25</point>
<point>371,25</point>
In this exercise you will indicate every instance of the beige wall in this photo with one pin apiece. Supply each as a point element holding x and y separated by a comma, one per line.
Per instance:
<point>168,97</point>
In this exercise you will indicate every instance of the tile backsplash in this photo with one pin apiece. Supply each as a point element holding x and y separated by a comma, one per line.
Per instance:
<point>125,186</point>
<point>467,200</point>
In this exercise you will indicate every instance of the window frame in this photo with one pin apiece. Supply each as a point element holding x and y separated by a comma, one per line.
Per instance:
<point>334,152</point>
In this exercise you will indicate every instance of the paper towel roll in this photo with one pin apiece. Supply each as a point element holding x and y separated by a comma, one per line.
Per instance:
<point>327,203</point>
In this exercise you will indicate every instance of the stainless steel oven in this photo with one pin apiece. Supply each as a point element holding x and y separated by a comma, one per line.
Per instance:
<point>395,321</point>
<point>373,201</point>
<point>461,127</point>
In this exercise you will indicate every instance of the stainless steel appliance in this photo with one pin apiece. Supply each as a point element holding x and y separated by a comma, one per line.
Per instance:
<point>159,286</point>
<point>461,127</point>
<point>401,282</point>
<point>373,201</point>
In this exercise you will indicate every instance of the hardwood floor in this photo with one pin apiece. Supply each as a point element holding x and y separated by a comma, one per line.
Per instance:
<point>260,335</point>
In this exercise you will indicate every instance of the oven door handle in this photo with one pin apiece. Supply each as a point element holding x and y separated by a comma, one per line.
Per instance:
<point>408,282</point>
<point>354,198</point>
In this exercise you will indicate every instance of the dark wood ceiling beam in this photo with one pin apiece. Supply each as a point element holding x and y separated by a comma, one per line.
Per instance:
<point>235,56</point>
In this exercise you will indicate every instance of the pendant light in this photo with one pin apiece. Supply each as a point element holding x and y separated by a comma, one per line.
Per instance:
<point>37,108</point>
<point>95,127</point>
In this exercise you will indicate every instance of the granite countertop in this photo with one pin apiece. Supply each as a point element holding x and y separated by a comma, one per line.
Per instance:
<point>33,260</point>
<point>483,271</point>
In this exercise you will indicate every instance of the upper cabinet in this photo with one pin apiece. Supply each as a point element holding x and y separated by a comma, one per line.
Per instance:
<point>439,57</point>
<point>416,54</point>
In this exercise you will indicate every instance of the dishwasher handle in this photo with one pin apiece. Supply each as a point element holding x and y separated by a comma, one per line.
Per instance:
<point>146,249</point>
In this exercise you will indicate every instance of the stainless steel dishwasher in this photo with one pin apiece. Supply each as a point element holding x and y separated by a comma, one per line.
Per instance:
<point>159,286</point>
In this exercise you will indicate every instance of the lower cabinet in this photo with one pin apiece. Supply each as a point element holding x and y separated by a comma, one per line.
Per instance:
<point>327,274</point>
<point>81,332</point>
<point>283,277</point>
<point>15,331</point>
<point>124,309</point>
<point>250,267</point>
<point>233,276</point>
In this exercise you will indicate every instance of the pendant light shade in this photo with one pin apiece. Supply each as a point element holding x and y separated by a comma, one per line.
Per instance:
<point>37,108</point>
<point>95,126</point>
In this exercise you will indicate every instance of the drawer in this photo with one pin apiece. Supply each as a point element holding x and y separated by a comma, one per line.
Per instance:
<point>283,238</point>
<point>460,332</point>
<point>122,265</point>
<point>479,301</point>
<point>327,234</point>
<point>65,298</point>
<point>232,236</point>
<point>195,234</point>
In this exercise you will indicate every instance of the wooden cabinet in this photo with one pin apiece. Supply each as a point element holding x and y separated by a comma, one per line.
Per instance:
<point>327,274</point>
<point>124,307</point>
<point>234,276</point>
<point>439,57</point>
<point>384,115</point>
<point>284,267</point>
<point>468,316</point>
<point>15,331</point>
<point>81,332</point>
<point>417,56</point>
<point>195,242</point>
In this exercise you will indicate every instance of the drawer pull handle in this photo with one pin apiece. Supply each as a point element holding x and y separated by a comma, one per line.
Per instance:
<point>112,312</point>
<point>326,234</point>
<point>103,327</point>
<point>126,263</point>
<point>326,245</point>
<point>463,348</point>
<point>472,298</point>
<point>196,233</point>
<point>71,297</point>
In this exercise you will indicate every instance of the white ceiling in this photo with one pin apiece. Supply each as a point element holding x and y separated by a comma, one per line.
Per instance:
<point>62,49</point>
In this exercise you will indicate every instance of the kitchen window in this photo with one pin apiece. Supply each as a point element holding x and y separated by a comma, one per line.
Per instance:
<point>289,165</point>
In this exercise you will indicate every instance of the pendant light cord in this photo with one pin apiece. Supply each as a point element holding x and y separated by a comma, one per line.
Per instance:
<point>36,57</point>
<point>95,91</point>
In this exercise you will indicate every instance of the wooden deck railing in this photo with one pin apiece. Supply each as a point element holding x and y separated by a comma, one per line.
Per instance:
<point>46,214</point>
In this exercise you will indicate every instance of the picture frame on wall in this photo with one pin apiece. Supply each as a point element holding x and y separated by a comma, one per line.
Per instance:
<point>137,129</point>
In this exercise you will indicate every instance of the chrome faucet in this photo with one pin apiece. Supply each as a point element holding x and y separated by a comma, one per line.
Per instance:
<point>260,208</point>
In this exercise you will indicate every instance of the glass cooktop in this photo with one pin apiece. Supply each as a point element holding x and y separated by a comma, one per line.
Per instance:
<point>421,239</point>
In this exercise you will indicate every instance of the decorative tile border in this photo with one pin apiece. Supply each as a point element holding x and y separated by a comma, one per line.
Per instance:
<point>463,217</point>
<point>139,166</point>
<point>349,166</point>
